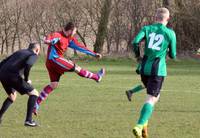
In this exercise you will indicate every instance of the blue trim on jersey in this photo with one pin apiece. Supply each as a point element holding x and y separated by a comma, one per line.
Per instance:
<point>76,47</point>
<point>55,40</point>
<point>53,54</point>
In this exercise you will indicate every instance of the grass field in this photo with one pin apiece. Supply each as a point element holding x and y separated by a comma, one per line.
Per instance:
<point>82,108</point>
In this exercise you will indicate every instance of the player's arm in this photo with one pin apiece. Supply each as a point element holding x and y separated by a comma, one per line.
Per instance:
<point>51,39</point>
<point>29,63</point>
<point>136,42</point>
<point>172,46</point>
<point>74,44</point>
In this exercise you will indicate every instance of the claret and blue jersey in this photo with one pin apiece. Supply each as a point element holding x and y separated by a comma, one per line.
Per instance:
<point>56,63</point>
<point>60,43</point>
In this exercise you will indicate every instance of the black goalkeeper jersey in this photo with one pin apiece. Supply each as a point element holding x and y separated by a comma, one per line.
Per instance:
<point>19,63</point>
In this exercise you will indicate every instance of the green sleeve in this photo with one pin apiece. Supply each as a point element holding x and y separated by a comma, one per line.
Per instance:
<point>137,40</point>
<point>172,46</point>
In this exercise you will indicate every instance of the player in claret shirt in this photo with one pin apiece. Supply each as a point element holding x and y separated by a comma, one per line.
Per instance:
<point>159,40</point>
<point>56,64</point>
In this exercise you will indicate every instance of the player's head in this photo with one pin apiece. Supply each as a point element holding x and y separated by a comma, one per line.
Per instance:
<point>69,29</point>
<point>162,15</point>
<point>35,47</point>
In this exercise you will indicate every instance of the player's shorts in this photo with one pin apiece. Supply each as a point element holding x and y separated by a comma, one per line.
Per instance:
<point>153,84</point>
<point>13,83</point>
<point>57,66</point>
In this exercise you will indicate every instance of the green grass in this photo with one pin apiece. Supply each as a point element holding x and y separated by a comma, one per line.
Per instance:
<point>82,108</point>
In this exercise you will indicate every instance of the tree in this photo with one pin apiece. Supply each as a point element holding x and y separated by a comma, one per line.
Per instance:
<point>102,26</point>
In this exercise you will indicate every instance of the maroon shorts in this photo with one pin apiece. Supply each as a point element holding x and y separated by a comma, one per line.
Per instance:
<point>57,66</point>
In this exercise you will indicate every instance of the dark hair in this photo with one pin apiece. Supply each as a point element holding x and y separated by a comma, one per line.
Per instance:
<point>32,46</point>
<point>69,26</point>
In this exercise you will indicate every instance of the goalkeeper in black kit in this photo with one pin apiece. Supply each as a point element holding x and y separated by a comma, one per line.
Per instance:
<point>14,74</point>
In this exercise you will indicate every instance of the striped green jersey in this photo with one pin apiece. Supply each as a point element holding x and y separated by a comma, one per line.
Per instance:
<point>159,40</point>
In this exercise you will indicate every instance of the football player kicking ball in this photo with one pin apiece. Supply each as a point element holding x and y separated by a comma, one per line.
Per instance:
<point>56,64</point>
<point>159,41</point>
<point>12,70</point>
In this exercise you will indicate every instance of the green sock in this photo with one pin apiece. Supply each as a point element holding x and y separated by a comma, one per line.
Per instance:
<point>137,88</point>
<point>145,114</point>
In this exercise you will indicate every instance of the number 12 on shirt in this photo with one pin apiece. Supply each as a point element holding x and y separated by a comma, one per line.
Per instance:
<point>155,41</point>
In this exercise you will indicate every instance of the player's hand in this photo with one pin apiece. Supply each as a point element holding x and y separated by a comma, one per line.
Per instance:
<point>29,81</point>
<point>46,41</point>
<point>99,56</point>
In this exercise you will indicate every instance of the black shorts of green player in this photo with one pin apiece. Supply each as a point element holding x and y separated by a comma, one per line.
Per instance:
<point>153,84</point>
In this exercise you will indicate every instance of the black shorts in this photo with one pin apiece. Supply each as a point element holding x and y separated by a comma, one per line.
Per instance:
<point>153,84</point>
<point>12,83</point>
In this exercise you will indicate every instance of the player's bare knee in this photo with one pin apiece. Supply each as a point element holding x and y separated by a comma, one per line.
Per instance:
<point>77,68</point>
<point>152,99</point>
<point>54,85</point>
<point>13,96</point>
<point>34,92</point>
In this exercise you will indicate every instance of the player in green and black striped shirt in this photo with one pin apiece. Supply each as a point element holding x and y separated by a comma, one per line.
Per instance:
<point>159,40</point>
